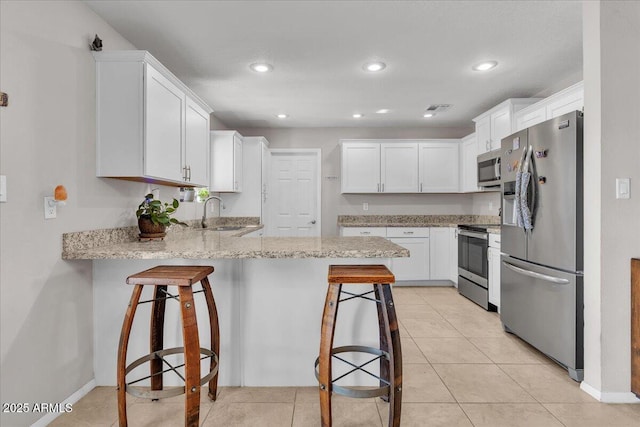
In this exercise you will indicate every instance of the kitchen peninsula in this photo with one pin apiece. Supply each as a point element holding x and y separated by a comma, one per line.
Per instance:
<point>269,292</point>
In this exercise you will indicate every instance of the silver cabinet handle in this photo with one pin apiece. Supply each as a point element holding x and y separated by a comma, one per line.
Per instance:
<point>365,232</point>
<point>407,232</point>
<point>383,187</point>
<point>312,222</point>
<point>421,187</point>
<point>378,187</point>
<point>535,275</point>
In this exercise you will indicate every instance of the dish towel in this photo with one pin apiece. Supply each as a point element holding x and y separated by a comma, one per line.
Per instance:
<point>516,200</point>
<point>524,216</point>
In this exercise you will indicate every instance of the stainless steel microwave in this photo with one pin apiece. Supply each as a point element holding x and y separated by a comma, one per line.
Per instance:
<point>489,169</point>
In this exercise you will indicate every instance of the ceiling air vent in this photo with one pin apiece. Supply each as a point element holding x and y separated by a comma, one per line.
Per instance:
<point>438,108</point>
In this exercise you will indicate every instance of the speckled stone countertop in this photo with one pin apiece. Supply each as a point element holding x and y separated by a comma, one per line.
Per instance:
<point>194,243</point>
<point>415,220</point>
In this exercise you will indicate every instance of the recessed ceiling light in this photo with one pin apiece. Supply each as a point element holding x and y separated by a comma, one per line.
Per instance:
<point>427,115</point>
<point>358,116</point>
<point>383,111</point>
<point>283,116</point>
<point>374,66</point>
<point>485,66</point>
<point>261,67</point>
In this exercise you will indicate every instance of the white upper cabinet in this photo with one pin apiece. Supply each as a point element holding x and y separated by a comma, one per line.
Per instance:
<point>150,126</point>
<point>226,161</point>
<point>469,164</point>
<point>196,146</point>
<point>439,167</point>
<point>498,122</point>
<point>360,167</point>
<point>565,101</point>
<point>398,167</point>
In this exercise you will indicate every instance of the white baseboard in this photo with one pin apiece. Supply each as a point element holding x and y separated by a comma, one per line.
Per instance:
<point>609,397</point>
<point>84,390</point>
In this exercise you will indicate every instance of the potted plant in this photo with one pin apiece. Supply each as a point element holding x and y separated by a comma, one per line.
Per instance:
<point>154,217</point>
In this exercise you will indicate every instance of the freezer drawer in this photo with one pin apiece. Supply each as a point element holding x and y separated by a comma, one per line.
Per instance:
<point>545,308</point>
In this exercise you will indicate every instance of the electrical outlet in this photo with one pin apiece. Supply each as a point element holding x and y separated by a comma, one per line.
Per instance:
<point>365,206</point>
<point>3,188</point>
<point>50,209</point>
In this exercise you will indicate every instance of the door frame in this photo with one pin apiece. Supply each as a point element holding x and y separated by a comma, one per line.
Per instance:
<point>317,152</point>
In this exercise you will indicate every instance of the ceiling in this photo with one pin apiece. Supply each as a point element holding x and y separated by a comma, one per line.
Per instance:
<point>318,48</point>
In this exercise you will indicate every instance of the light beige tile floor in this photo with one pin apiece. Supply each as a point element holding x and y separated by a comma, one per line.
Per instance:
<point>460,369</point>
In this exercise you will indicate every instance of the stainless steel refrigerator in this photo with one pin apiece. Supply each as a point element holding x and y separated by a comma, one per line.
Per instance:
<point>541,286</point>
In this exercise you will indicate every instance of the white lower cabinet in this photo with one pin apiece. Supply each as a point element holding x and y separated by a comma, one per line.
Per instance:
<point>440,254</point>
<point>493,255</point>
<point>434,250</point>
<point>417,240</point>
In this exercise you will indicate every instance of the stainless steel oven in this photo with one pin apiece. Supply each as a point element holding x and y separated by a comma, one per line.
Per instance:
<point>473,265</point>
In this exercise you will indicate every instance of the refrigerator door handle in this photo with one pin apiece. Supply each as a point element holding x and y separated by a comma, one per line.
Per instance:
<point>535,275</point>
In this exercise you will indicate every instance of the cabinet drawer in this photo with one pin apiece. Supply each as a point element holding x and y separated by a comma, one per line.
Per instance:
<point>364,231</point>
<point>494,240</point>
<point>407,231</point>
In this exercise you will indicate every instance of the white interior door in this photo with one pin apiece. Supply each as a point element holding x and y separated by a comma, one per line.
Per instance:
<point>293,201</point>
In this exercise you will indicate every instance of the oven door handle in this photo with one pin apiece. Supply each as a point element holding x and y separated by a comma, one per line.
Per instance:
<point>535,275</point>
<point>473,234</point>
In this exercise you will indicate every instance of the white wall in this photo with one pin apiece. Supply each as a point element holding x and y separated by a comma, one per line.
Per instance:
<point>47,137</point>
<point>334,203</point>
<point>612,231</point>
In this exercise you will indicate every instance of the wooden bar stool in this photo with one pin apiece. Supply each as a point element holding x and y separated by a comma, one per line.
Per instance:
<point>183,277</point>
<point>389,353</point>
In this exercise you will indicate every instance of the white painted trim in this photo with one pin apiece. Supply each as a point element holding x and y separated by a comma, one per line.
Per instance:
<point>318,154</point>
<point>74,398</point>
<point>609,397</point>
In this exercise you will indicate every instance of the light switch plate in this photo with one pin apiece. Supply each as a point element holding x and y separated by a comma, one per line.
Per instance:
<point>3,188</point>
<point>623,188</point>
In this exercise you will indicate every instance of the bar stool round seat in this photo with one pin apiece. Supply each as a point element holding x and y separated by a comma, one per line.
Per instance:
<point>389,353</point>
<point>183,277</point>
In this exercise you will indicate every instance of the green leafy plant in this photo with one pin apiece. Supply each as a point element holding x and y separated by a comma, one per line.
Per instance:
<point>158,212</point>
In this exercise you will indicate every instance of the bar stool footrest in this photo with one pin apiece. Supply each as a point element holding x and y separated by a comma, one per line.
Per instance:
<point>359,393</point>
<point>147,393</point>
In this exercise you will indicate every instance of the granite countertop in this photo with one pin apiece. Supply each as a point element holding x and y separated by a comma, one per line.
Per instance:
<point>418,221</point>
<point>198,243</point>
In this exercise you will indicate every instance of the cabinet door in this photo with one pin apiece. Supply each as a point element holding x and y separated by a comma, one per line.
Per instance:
<point>440,253</point>
<point>500,126</point>
<point>525,119</point>
<point>237,163</point>
<point>416,267</point>
<point>569,102</point>
<point>469,164</point>
<point>483,134</point>
<point>399,167</point>
<point>196,147</point>
<point>360,167</point>
<point>493,256</point>
<point>164,134</point>
<point>453,254</point>
<point>439,166</point>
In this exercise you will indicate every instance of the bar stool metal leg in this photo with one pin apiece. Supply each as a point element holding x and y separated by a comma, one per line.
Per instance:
<point>326,344</point>
<point>157,335</point>
<point>215,334</point>
<point>387,309</point>
<point>191,357</point>
<point>122,354</point>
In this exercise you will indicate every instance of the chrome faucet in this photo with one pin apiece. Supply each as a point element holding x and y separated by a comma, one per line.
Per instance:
<point>204,215</point>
